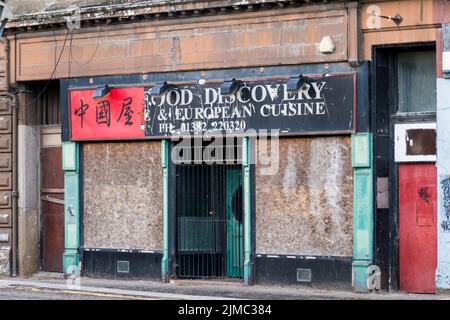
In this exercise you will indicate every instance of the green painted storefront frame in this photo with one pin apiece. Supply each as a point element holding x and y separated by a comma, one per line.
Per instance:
<point>72,205</point>
<point>165,267</point>
<point>246,162</point>
<point>235,262</point>
<point>363,209</point>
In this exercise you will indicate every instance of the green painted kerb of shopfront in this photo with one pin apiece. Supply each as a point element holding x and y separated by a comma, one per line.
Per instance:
<point>363,210</point>
<point>70,158</point>
<point>165,167</point>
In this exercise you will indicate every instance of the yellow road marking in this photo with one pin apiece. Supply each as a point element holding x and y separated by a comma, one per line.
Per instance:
<point>100,294</point>
<point>97,294</point>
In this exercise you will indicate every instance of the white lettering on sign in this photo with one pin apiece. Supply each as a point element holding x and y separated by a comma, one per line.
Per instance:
<point>325,104</point>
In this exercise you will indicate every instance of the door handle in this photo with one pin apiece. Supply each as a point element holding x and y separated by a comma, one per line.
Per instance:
<point>70,211</point>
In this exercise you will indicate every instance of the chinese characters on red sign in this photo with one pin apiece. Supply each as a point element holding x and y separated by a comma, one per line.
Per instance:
<point>118,115</point>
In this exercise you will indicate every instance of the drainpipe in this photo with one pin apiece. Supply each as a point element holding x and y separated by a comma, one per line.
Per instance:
<point>14,195</point>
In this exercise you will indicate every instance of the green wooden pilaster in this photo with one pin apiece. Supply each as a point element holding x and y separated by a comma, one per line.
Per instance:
<point>70,158</point>
<point>165,166</point>
<point>247,212</point>
<point>363,209</point>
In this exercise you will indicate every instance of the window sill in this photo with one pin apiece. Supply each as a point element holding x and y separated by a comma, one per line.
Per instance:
<point>428,116</point>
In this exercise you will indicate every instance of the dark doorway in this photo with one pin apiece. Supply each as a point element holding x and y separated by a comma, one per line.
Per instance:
<point>52,208</point>
<point>403,80</point>
<point>209,219</point>
<point>52,178</point>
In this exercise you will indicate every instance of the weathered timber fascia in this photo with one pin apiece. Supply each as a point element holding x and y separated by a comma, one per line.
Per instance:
<point>151,9</point>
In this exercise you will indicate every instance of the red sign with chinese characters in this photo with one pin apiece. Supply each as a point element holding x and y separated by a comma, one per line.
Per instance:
<point>119,115</point>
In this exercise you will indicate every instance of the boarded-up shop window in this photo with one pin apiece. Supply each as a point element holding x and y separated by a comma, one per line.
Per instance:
<point>307,207</point>
<point>122,190</point>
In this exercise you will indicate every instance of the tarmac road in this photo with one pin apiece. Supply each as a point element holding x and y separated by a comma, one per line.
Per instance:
<point>15,289</point>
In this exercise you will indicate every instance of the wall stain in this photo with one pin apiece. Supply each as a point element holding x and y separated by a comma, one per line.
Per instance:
<point>176,50</point>
<point>445,187</point>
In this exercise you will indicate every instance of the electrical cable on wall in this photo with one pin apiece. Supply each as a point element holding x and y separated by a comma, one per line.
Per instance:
<point>53,72</point>
<point>93,55</point>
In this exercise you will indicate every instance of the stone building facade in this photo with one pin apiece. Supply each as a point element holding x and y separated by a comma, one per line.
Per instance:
<point>108,202</point>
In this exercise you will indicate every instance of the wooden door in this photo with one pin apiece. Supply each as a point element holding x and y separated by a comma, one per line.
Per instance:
<point>417,227</point>
<point>52,202</point>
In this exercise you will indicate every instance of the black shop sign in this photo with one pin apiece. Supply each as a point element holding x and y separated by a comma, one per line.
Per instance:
<point>325,105</point>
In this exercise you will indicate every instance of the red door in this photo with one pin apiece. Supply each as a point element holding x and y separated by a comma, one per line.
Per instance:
<point>417,227</point>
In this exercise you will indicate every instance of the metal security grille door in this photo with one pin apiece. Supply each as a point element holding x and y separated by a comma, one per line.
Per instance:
<point>209,242</point>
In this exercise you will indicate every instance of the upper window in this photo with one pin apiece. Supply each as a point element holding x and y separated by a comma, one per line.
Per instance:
<point>417,81</point>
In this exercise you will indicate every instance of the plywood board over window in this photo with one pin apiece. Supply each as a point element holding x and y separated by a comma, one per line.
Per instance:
<point>122,191</point>
<point>306,207</point>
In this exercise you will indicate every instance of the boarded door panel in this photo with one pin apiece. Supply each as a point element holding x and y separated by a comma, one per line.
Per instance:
<point>51,168</point>
<point>52,219</point>
<point>52,237</point>
<point>417,227</point>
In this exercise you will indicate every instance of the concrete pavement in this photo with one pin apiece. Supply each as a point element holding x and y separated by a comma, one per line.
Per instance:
<point>45,286</point>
